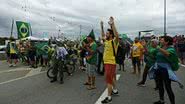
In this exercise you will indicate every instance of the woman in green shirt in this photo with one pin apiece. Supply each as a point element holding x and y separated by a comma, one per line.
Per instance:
<point>163,66</point>
<point>149,57</point>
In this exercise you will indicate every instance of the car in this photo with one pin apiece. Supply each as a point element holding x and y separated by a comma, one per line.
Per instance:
<point>2,48</point>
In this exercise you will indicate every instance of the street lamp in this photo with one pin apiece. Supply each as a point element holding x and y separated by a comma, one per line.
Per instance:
<point>165,18</point>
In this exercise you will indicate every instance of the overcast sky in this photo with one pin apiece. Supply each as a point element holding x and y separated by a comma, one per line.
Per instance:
<point>131,16</point>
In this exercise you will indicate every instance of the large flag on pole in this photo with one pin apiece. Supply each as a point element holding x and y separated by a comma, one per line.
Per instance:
<point>23,29</point>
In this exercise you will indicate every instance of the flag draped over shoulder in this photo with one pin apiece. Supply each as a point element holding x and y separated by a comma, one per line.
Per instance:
<point>23,30</point>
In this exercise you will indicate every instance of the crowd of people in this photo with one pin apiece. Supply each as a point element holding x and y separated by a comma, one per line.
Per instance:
<point>26,52</point>
<point>179,43</point>
<point>159,57</point>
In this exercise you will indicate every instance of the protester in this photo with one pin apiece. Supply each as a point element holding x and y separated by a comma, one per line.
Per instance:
<point>136,54</point>
<point>28,45</point>
<point>110,49</point>
<point>60,53</point>
<point>21,51</point>
<point>13,52</point>
<point>120,57</point>
<point>100,50</point>
<point>143,43</point>
<point>181,48</point>
<point>32,55</point>
<point>39,53</point>
<point>150,51</point>
<point>127,50</point>
<point>91,60</point>
<point>163,68</point>
<point>83,55</point>
<point>8,52</point>
<point>45,56</point>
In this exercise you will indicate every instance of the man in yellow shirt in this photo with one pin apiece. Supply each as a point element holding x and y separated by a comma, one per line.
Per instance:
<point>13,52</point>
<point>136,53</point>
<point>110,50</point>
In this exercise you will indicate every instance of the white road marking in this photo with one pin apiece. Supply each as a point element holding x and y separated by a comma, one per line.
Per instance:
<point>34,71</point>
<point>182,65</point>
<point>22,77</point>
<point>105,93</point>
<point>17,69</point>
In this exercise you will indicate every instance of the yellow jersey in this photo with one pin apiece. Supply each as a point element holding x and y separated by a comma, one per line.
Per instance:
<point>108,56</point>
<point>12,48</point>
<point>137,49</point>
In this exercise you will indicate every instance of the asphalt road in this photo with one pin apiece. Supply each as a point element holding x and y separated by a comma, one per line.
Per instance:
<point>37,89</point>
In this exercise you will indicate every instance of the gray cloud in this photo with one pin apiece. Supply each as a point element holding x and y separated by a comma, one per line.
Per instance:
<point>48,16</point>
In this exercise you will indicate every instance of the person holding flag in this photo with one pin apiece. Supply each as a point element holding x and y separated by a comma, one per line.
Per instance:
<point>91,60</point>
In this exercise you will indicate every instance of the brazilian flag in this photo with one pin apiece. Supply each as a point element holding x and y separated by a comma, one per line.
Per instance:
<point>22,29</point>
<point>42,48</point>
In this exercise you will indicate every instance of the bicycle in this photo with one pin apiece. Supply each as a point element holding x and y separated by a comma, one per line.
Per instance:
<point>64,66</point>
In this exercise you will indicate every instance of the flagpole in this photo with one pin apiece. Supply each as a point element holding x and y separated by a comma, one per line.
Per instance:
<point>30,29</point>
<point>80,29</point>
<point>165,33</point>
<point>12,28</point>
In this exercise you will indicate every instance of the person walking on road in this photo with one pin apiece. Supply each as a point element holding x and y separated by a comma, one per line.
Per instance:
<point>110,49</point>
<point>136,54</point>
<point>150,58</point>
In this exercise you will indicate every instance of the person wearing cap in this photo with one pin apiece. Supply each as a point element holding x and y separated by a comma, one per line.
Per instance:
<point>91,60</point>
<point>110,50</point>
<point>149,57</point>
<point>136,53</point>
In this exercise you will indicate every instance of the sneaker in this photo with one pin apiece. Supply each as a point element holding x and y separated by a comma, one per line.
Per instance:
<point>10,65</point>
<point>106,100</point>
<point>159,102</point>
<point>114,93</point>
<point>141,84</point>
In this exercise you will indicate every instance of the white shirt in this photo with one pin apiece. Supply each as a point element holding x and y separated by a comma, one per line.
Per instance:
<point>61,52</point>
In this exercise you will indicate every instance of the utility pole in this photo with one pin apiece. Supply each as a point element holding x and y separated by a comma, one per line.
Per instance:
<point>80,29</point>
<point>165,33</point>
<point>58,33</point>
<point>12,28</point>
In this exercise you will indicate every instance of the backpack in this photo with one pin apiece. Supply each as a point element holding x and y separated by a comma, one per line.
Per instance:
<point>173,60</point>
